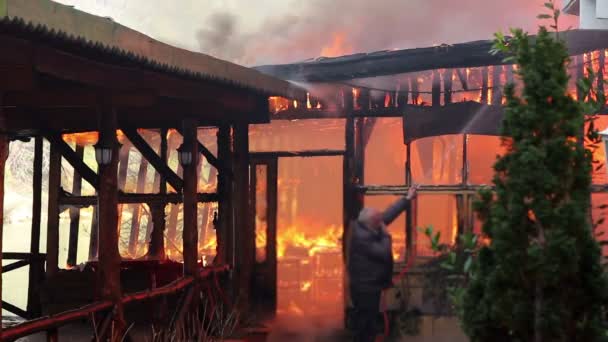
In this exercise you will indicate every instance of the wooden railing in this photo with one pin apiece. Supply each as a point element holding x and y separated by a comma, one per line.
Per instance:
<point>50,322</point>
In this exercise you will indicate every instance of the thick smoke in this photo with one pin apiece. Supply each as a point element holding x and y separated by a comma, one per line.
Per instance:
<point>318,27</point>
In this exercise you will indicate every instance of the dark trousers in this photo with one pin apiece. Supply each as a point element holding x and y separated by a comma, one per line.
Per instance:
<point>366,307</point>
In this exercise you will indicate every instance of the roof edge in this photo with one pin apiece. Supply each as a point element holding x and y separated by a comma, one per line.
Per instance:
<point>75,25</point>
<point>572,7</point>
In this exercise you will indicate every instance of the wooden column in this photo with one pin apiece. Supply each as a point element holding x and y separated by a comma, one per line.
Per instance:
<point>141,184</point>
<point>244,233</point>
<point>404,93</point>
<point>94,240</point>
<point>436,89</point>
<point>52,233</point>
<point>190,232</point>
<point>3,155</point>
<point>36,270</point>
<point>156,248</point>
<point>107,203</point>
<point>447,86</point>
<point>347,176</point>
<point>224,186</point>
<point>497,71</point>
<point>484,85</point>
<point>359,163</point>
<point>75,213</point>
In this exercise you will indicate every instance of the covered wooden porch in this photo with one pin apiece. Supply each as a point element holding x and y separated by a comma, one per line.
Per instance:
<point>66,72</point>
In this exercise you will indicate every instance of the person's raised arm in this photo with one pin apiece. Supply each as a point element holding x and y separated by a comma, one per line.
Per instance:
<point>392,212</point>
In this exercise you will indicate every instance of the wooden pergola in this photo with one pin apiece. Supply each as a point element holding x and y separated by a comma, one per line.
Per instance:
<point>66,71</point>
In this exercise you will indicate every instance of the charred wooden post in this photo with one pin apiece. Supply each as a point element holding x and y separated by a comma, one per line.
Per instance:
<point>347,178</point>
<point>224,186</point>
<point>377,99</point>
<point>462,76</point>
<point>52,235</point>
<point>447,86</point>
<point>364,101</point>
<point>36,271</point>
<point>109,257</point>
<point>156,248</point>
<point>579,64</point>
<point>509,73</point>
<point>208,206</point>
<point>404,93</point>
<point>141,184</point>
<point>484,85</point>
<point>3,156</point>
<point>94,240</point>
<point>245,239</point>
<point>75,213</point>
<point>497,71</point>
<point>415,90</point>
<point>190,217</point>
<point>436,89</point>
<point>173,213</point>
<point>359,161</point>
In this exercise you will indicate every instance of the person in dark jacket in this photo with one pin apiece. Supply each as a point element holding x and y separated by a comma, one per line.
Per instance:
<point>370,264</point>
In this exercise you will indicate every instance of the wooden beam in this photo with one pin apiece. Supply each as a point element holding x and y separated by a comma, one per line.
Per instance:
<point>135,218</point>
<point>14,309</point>
<point>36,270</point>
<point>52,235</point>
<point>20,256</point>
<point>298,154</point>
<point>462,76</point>
<point>380,190</point>
<point>4,149</point>
<point>77,97</point>
<point>131,198</point>
<point>109,257</point>
<point>77,163</point>
<point>190,206</point>
<point>15,265</point>
<point>75,214</point>
<point>66,66</point>
<point>148,153</point>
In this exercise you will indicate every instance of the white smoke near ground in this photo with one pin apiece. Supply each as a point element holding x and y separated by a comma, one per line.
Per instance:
<point>330,28</point>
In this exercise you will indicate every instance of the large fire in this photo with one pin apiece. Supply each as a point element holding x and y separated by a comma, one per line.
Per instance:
<point>337,47</point>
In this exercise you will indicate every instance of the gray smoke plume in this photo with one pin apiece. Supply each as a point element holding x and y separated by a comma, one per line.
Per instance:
<point>320,27</point>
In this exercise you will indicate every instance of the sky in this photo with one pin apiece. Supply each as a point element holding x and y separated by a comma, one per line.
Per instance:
<point>281,31</point>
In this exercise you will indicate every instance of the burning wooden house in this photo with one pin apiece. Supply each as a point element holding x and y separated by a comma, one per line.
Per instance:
<point>70,79</point>
<point>429,116</point>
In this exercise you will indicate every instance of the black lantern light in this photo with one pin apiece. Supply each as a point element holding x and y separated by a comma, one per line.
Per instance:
<point>184,155</point>
<point>103,152</point>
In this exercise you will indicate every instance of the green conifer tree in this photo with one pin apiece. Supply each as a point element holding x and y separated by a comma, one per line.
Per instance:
<point>540,278</point>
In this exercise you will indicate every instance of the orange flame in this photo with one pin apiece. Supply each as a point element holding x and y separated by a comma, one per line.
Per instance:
<point>338,46</point>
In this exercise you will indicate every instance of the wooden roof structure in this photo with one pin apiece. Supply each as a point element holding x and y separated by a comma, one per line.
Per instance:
<point>57,62</point>
<point>383,63</point>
